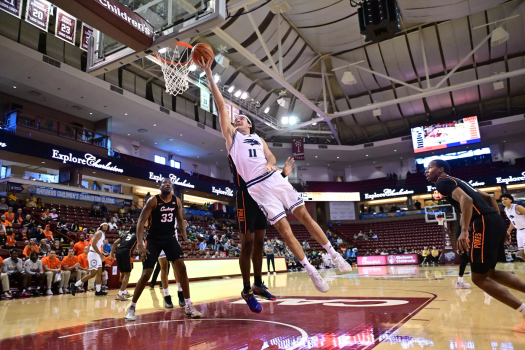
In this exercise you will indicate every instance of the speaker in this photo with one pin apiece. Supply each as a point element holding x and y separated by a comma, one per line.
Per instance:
<point>378,20</point>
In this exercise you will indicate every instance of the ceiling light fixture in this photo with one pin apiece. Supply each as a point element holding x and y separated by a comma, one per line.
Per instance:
<point>499,36</point>
<point>266,110</point>
<point>193,67</point>
<point>163,50</point>
<point>244,95</point>
<point>348,78</point>
<point>125,114</point>
<point>231,88</point>
<point>238,93</point>
<point>14,87</point>
<point>216,78</point>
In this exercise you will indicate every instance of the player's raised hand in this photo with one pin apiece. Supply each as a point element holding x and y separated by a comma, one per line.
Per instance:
<point>290,164</point>
<point>205,65</point>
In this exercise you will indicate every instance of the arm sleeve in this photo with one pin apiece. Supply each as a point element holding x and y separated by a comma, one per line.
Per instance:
<point>446,186</point>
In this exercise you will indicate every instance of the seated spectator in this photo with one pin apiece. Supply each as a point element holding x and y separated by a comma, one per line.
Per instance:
<point>212,226</point>
<point>5,222</point>
<point>203,245</point>
<point>123,231</point>
<point>3,205</point>
<point>38,234</point>
<point>81,244</point>
<point>48,233</point>
<point>35,272</point>
<point>400,251</point>
<point>103,208</point>
<point>365,237</point>
<point>31,201</point>
<point>21,236</point>
<point>207,256</point>
<point>12,199</point>
<point>70,267</point>
<point>31,247</point>
<point>62,226</point>
<point>356,237</point>
<point>28,222</point>
<point>112,225</point>
<point>19,217</point>
<point>11,238</point>
<point>360,235</point>
<point>75,227</point>
<point>46,215</point>
<point>216,255</point>
<point>58,249</point>
<point>89,231</point>
<point>128,219</point>
<point>3,240</point>
<point>51,265</point>
<point>375,236</point>
<point>96,206</point>
<point>106,248</point>
<point>306,245</point>
<point>115,219</point>
<point>39,203</point>
<point>43,248</point>
<point>9,215</point>
<point>226,246</point>
<point>54,215</point>
<point>13,269</point>
<point>385,252</point>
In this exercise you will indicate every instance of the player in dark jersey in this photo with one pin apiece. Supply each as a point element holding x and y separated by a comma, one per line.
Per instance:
<point>161,211</point>
<point>126,244</point>
<point>484,243</point>
<point>252,226</point>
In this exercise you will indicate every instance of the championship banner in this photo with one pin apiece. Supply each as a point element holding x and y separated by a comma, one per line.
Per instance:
<point>87,32</point>
<point>37,13</point>
<point>235,113</point>
<point>13,7</point>
<point>66,27</point>
<point>205,100</point>
<point>297,148</point>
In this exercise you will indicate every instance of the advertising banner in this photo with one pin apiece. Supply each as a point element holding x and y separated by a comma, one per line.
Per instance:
<point>342,211</point>
<point>37,13</point>
<point>205,100</point>
<point>65,26</point>
<point>87,32</point>
<point>13,7</point>
<point>51,192</point>
<point>387,260</point>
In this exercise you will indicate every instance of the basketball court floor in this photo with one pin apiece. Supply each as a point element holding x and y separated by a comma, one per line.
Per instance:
<point>400,307</point>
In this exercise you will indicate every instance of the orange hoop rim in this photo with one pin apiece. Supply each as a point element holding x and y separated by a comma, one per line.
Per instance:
<point>180,43</point>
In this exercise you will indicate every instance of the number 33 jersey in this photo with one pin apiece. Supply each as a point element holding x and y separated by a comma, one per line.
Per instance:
<point>163,217</point>
<point>247,153</point>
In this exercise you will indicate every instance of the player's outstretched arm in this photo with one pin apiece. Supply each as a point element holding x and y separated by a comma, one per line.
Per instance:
<point>270,158</point>
<point>181,222</point>
<point>224,119</point>
<point>144,215</point>
<point>490,199</point>
<point>465,202</point>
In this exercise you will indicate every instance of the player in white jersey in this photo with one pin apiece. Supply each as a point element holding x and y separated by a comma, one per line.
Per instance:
<point>95,258</point>
<point>516,215</point>
<point>275,196</point>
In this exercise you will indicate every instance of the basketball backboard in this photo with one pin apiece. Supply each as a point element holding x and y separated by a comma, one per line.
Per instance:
<point>172,20</point>
<point>433,211</point>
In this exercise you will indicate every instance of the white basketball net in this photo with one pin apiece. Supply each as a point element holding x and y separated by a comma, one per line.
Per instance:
<point>441,221</point>
<point>175,75</point>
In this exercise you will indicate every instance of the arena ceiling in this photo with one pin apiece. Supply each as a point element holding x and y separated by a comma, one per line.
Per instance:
<point>322,35</point>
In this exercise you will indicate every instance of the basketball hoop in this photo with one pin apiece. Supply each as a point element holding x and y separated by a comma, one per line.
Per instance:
<point>440,220</point>
<point>175,62</point>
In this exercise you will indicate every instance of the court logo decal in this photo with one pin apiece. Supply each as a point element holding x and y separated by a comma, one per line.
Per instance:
<point>450,256</point>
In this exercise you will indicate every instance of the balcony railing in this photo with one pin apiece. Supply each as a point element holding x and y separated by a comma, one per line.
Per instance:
<point>19,118</point>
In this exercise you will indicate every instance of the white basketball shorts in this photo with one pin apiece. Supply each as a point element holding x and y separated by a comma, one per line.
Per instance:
<point>274,195</point>
<point>520,237</point>
<point>94,261</point>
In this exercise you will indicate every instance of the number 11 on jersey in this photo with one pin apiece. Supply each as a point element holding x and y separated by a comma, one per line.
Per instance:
<point>253,153</point>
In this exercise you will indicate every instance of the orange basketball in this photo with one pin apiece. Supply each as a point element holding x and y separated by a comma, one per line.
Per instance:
<point>202,51</point>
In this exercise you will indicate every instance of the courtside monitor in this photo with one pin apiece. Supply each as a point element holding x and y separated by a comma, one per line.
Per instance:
<point>445,135</point>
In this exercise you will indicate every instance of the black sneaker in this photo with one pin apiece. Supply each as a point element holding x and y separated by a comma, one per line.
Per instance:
<point>167,302</point>
<point>73,288</point>
<point>182,301</point>
<point>101,293</point>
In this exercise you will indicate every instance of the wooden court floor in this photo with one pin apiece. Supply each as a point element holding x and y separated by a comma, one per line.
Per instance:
<point>398,307</point>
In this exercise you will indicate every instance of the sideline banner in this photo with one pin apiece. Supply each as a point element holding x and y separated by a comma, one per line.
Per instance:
<point>400,259</point>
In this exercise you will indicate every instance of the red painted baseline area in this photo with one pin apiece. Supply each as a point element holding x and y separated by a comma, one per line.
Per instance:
<point>289,323</point>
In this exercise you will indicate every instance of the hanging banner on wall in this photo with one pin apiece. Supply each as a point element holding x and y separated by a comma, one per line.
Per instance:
<point>297,148</point>
<point>87,32</point>
<point>235,113</point>
<point>229,109</point>
<point>65,27</point>
<point>205,100</point>
<point>215,109</point>
<point>37,13</point>
<point>13,7</point>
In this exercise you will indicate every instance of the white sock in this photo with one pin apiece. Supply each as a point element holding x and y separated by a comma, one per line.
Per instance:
<point>460,279</point>
<point>180,288</point>
<point>125,291</point>
<point>120,292</point>
<point>521,309</point>
<point>309,267</point>
<point>78,283</point>
<point>166,292</point>
<point>97,287</point>
<point>188,302</point>
<point>328,247</point>
<point>133,304</point>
